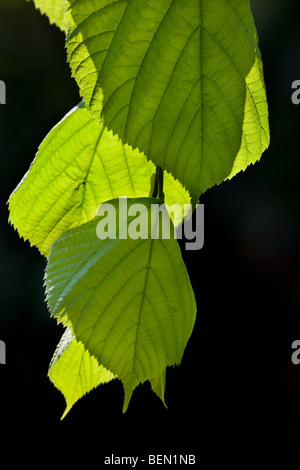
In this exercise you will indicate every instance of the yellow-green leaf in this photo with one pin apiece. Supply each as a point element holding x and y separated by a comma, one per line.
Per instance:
<point>74,371</point>
<point>79,165</point>
<point>182,81</point>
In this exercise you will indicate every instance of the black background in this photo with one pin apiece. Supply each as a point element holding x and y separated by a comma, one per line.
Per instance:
<point>237,386</point>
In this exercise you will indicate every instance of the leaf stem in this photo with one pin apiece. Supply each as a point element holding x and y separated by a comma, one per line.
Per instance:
<point>159,184</point>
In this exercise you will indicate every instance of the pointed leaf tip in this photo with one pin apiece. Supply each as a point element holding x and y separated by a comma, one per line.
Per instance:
<point>74,371</point>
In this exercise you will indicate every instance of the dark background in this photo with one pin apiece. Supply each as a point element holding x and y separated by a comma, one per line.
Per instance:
<point>236,387</point>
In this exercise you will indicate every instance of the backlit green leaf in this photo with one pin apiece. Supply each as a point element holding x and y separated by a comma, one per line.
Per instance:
<point>74,371</point>
<point>128,301</point>
<point>79,165</point>
<point>55,10</point>
<point>182,81</point>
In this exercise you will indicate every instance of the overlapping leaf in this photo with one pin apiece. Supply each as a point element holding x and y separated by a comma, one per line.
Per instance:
<point>128,301</point>
<point>74,371</point>
<point>79,165</point>
<point>180,80</point>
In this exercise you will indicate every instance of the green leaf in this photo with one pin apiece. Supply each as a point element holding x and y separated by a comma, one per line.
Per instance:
<point>55,10</point>
<point>129,301</point>
<point>79,165</point>
<point>182,81</point>
<point>158,385</point>
<point>74,371</point>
